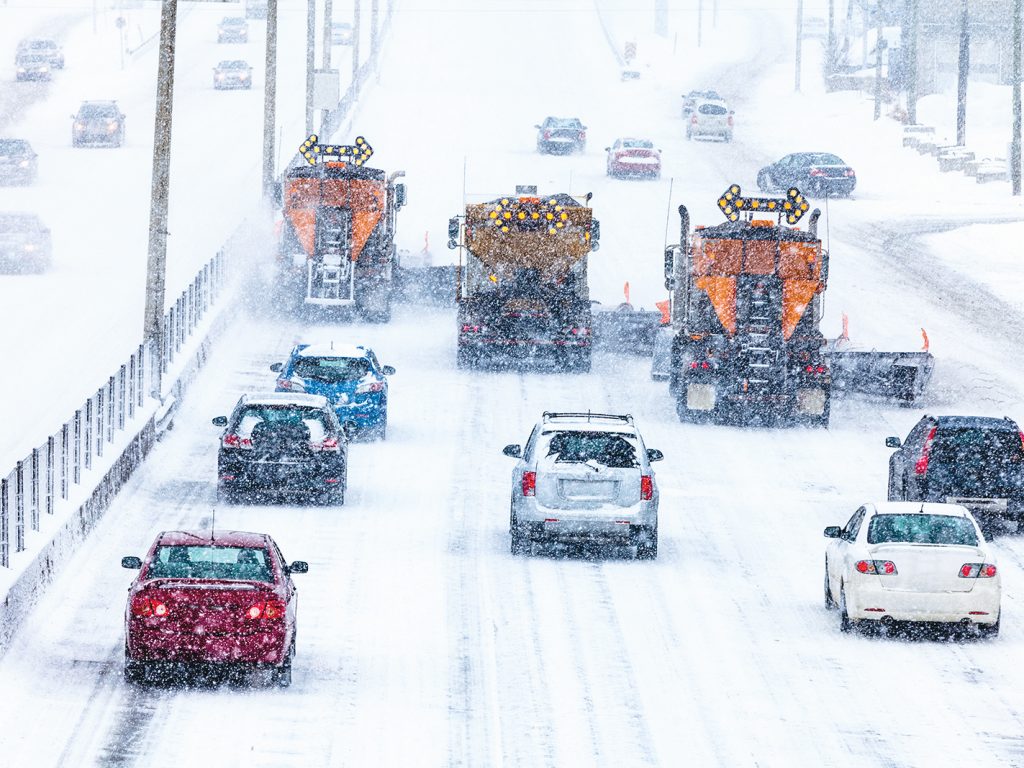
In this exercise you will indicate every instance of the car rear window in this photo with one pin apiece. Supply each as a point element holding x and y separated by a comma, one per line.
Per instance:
<point>290,422</point>
<point>20,224</point>
<point>712,109</point>
<point>97,110</point>
<point>610,449</point>
<point>921,529</point>
<point>331,370</point>
<point>977,448</point>
<point>637,144</point>
<point>211,562</point>
<point>822,158</point>
<point>12,146</point>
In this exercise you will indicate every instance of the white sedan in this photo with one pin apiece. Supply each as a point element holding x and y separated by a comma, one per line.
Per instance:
<point>912,561</point>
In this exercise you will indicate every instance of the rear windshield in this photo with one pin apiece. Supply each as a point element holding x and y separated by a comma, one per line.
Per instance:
<point>97,110</point>
<point>564,122</point>
<point>233,65</point>
<point>967,448</point>
<point>712,109</point>
<point>921,529</point>
<point>607,448</point>
<point>210,562</point>
<point>12,146</point>
<point>332,370</point>
<point>821,158</point>
<point>293,423</point>
<point>637,144</point>
<point>13,223</point>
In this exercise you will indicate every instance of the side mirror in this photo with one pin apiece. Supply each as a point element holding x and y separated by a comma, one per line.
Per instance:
<point>388,370</point>
<point>220,421</point>
<point>134,563</point>
<point>595,235</point>
<point>299,566</point>
<point>892,442</point>
<point>515,451</point>
<point>833,532</point>
<point>453,232</point>
<point>670,267</point>
<point>653,454</point>
<point>277,367</point>
<point>607,149</point>
<point>537,127</point>
<point>399,195</point>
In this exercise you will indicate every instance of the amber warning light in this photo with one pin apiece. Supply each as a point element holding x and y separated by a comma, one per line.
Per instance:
<point>793,206</point>
<point>357,153</point>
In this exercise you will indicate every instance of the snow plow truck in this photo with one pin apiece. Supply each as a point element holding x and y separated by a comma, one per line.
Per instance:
<point>522,294</point>
<point>745,311</point>
<point>337,246</point>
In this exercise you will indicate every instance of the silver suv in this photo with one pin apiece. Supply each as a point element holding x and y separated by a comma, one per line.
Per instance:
<point>584,477</point>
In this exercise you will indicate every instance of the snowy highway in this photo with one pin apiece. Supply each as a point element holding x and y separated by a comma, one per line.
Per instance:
<point>421,639</point>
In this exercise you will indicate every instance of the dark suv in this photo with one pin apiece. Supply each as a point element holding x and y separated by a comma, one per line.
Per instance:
<point>561,135</point>
<point>98,122</point>
<point>292,444</point>
<point>970,460</point>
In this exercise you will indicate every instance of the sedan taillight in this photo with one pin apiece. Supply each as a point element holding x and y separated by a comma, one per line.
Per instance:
<point>876,567</point>
<point>147,607</point>
<point>977,571</point>
<point>270,609</point>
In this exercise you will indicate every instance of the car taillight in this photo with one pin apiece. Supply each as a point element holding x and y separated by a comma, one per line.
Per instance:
<point>877,567</point>
<point>693,118</point>
<point>577,331</point>
<point>547,134</point>
<point>470,328</point>
<point>728,121</point>
<point>703,365</point>
<point>818,369</point>
<point>583,135</point>
<point>529,483</point>
<point>646,488</point>
<point>329,444</point>
<point>284,384</point>
<point>147,607</point>
<point>849,172</point>
<point>270,609</point>
<point>232,440</point>
<point>977,571</point>
<point>816,172</point>
<point>370,386</point>
<point>921,467</point>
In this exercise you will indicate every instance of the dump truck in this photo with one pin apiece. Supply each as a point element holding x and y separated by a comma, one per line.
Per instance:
<point>522,292</point>
<point>745,342</point>
<point>337,243</point>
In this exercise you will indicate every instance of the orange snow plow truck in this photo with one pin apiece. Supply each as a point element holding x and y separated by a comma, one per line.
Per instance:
<point>337,244</point>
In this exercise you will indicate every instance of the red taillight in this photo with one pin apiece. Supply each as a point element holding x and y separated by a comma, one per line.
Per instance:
<point>921,467</point>
<point>468,328</point>
<point>703,366</point>
<point>876,567</point>
<point>284,384</point>
<point>977,571</point>
<point>271,609</point>
<point>373,386</point>
<point>849,172</point>
<point>146,607</point>
<point>646,488</point>
<point>579,331</point>
<point>728,121</point>
<point>234,441</point>
<point>816,172</point>
<point>329,444</point>
<point>547,134</point>
<point>529,483</point>
<point>693,118</point>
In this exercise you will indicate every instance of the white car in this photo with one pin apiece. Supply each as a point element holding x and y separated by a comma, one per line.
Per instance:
<point>912,561</point>
<point>584,477</point>
<point>710,118</point>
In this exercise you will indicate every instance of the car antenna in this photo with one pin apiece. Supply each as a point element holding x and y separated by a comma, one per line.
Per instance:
<point>668,213</point>
<point>213,521</point>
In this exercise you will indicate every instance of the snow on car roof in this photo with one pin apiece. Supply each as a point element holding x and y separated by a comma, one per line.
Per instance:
<point>215,538</point>
<point>333,349</point>
<point>285,398</point>
<point>919,507</point>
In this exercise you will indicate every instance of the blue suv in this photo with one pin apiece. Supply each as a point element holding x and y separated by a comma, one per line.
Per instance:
<point>348,375</point>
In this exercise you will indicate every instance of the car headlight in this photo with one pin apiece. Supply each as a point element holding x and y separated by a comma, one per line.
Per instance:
<point>30,247</point>
<point>23,164</point>
<point>219,75</point>
<point>112,125</point>
<point>79,126</point>
<point>21,70</point>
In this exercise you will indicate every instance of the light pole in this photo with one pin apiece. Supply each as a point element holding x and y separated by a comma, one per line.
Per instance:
<point>1016,83</point>
<point>270,101</point>
<point>963,68</point>
<point>799,41</point>
<point>310,61</point>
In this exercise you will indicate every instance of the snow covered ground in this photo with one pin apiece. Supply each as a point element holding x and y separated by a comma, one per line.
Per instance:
<point>421,640</point>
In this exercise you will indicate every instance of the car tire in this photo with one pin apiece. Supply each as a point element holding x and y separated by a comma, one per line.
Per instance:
<point>647,543</point>
<point>134,671</point>
<point>689,135</point>
<point>380,432</point>
<point>465,359</point>
<point>845,622</point>
<point>830,602</point>
<point>891,494</point>
<point>283,674</point>
<point>519,544</point>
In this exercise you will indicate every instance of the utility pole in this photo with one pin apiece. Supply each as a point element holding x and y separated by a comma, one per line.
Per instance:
<point>700,21</point>
<point>328,42</point>
<point>880,45</point>
<point>357,32</point>
<point>310,61</point>
<point>156,263</point>
<point>912,65</point>
<point>1015,81</point>
<point>661,18</point>
<point>799,41</point>
<point>270,101</point>
<point>374,30</point>
<point>963,68</point>
<point>830,48</point>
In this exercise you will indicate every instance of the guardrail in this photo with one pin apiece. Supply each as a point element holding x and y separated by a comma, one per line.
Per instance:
<point>48,476</point>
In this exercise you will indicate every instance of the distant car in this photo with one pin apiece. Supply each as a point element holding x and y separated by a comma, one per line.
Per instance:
<point>814,26</point>
<point>629,74</point>
<point>690,99</point>
<point>43,46</point>
<point>561,135</point>
<point>584,477</point>
<point>222,599</point>
<point>19,163</point>
<point>348,375</point>
<point>233,29</point>
<point>341,33</point>
<point>813,173</point>
<point>900,561</point>
<point>710,118</point>
<point>232,74</point>
<point>289,444</point>
<point>24,243</point>
<point>98,122</point>
<point>633,157</point>
<point>32,66</point>
<point>970,460</point>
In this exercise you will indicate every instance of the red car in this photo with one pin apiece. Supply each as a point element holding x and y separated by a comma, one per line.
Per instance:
<point>221,599</point>
<point>633,157</point>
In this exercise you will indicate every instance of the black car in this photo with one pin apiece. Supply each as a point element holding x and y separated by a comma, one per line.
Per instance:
<point>24,243</point>
<point>814,173</point>
<point>18,162</point>
<point>561,135</point>
<point>970,460</point>
<point>283,443</point>
<point>233,29</point>
<point>49,49</point>
<point>98,122</point>
<point>32,66</point>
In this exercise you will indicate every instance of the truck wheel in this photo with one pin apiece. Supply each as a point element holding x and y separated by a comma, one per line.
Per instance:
<point>464,358</point>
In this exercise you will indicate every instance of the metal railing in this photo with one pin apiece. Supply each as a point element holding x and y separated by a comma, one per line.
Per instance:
<point>47,477</point>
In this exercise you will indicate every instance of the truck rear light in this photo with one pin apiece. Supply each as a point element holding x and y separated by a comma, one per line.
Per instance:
<point>876,567</point>
<point>977,571</point>
<point>578,331</point>
<point>234,441</point>
<point>470,328</point>
<point>702,365</point>
<point>818,369</point>
<point>921,466</point>
<point>147,607</point>
<point>529,483</point>
<point>646,487</point>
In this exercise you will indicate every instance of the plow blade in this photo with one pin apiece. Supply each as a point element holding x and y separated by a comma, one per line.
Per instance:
<point>902,376</point>
<point>625,330</point>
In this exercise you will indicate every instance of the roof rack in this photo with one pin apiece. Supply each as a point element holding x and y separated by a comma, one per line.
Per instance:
<point>589,416</point>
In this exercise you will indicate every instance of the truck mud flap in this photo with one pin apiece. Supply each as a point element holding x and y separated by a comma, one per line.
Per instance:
<point>902,376</point>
